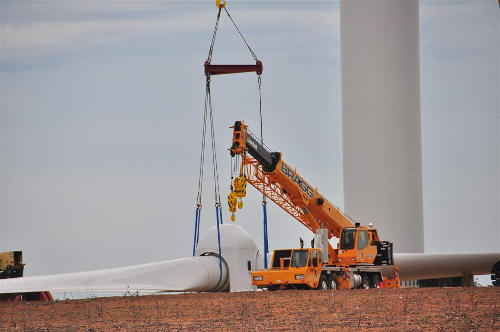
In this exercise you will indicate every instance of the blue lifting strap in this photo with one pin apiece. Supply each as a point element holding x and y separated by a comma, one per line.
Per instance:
<point>266,245</point>
<point>196,228</point>
<point>218,214</point>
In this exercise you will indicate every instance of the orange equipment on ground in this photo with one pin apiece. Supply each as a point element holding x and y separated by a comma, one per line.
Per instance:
<point>355,263</point>
<point>12,266</point>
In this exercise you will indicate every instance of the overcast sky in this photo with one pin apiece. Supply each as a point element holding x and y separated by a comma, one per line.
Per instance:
<point>101,112</point>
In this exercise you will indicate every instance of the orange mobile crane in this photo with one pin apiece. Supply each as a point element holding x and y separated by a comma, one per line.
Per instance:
<point>360,255</point>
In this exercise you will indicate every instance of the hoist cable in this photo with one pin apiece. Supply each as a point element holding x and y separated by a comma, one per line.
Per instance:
<point>202,155</point>
<point>214,152</point>
<point>234,23</point>
<point>218,209</point>
<point>199,196</point>
<point>211,50</point>
<point>232,169</point>
<point>209,109</point>
<point>264,199</point>
<point>208,100</point>
<point>220,214</point>
<point>259,81</point>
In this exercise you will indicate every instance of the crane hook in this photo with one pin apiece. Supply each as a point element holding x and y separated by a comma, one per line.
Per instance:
<point>220,3</point>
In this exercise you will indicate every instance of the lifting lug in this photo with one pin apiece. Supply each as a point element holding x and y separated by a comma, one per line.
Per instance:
<point>220,3</point>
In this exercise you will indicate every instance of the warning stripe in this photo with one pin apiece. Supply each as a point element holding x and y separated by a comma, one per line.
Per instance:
<point>346,273</point>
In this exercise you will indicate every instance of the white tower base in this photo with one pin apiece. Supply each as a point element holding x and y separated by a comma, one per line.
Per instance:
<point>381,118</point>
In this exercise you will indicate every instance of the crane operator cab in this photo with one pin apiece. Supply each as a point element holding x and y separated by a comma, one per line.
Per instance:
<point>354,265</point>
<point>361,244</point>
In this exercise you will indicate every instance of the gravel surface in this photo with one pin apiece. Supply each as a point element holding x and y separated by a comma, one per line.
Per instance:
<point>405,309</point>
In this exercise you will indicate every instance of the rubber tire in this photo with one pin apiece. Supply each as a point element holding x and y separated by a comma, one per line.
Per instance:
<point>332,282</point>
<point>323,282</point>
<point>365,282</point>
<point>375,281</point>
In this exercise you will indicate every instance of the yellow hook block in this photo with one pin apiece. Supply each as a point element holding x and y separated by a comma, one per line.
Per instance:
<point>232,202</point>
<point>220,3</point>
<point>240,186</point>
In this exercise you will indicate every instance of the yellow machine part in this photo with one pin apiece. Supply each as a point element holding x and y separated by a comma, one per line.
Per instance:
<point>11,264</point>
<point>11,258</point>
<point>394,282</point>
<point>220,3</point>
<point>232,202</point>
<point>240,186</point>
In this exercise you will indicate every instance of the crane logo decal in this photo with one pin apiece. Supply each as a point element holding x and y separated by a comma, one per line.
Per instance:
<point>297,179</point>
<point>252,143</point>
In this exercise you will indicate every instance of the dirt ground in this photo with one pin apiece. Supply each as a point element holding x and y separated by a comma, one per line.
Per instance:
<point>408,309</point>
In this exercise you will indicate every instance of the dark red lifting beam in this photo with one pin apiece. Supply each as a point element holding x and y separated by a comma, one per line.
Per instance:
<point>232,69</point>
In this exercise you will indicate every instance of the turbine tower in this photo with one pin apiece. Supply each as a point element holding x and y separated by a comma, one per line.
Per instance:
<point>381,118</point>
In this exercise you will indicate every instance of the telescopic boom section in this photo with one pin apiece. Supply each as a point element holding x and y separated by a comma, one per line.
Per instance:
<point>268,173</point>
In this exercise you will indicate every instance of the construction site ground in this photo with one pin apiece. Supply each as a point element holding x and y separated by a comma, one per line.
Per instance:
<point>405,309</point>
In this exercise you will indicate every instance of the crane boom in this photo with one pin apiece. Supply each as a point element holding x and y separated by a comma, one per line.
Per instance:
<point>267,172</point>
<point>356,261</point>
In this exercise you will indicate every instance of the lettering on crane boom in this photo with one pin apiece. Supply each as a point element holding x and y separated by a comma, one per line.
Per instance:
<point>297,179</point>
<point>252,143</point>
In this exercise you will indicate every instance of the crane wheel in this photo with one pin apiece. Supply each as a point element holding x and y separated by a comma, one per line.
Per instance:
<point>332,281</point>
<point>495,274</point>
<point>375,281</point>
<point>365,282</point>
<point>323,282</point>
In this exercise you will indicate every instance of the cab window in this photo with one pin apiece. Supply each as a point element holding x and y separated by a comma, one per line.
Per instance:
<point>362,239</point>
<point>347,238</point>
<point>299,258</point>
<point>285,254</point>
<point>314,259</point>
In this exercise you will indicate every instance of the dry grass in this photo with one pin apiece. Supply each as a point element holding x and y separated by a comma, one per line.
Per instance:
<point>445,309</point>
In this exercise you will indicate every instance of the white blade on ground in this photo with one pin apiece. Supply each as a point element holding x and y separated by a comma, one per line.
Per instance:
<point>185,274</point>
